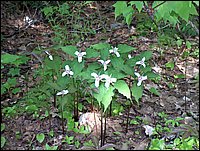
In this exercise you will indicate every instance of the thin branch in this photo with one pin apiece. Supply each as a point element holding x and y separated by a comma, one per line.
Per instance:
<point>159,4</point>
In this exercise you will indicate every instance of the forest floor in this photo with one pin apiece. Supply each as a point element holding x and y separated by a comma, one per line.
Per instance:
<point>180,101</point>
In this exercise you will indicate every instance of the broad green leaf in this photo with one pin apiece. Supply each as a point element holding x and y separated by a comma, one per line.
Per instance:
<point>8,58</point>
<point>104,96</point>
<point>101,46</point>
<point>40,137</point>
<point>16,90</point>
<point>117,63</point>
<point>138,5</point>
<point>91,53</point>
<point>146,54</point>
<point>137,92</point>
<point>128,70</point>
<point>123,88</point>
<point>77,68</point>
<point>70,50</point>
<point>120,6</point>
<point>116,73</point>
<point>123,48</point>
<point>152,75</point>
<point>154,91</point>
<point>3,141</point>
<point>104,54</point>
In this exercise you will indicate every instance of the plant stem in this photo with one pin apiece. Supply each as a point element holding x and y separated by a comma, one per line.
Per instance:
<point>104,129</point>
<point>101,128</point>
<point>110,108</point>
<point>127,120</point>
<point>62,119</point>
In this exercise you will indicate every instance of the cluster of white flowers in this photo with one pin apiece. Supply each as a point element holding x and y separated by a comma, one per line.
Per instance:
<point>140,78</point>
<point>108,80</point>
<point>105,78</point>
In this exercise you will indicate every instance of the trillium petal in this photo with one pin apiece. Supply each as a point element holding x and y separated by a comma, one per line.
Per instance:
<point>71,73</point>
<point>139,83</point>
<point>94,75</point>
<point>79,59</point>
<point>67,68</point>
<point>105,67</point>
<point>107,84</point>
<point>137,74</point>
<point>117,53</point>
<point>50,57</point>
<point>101,61</point>
<point>107,62</point>
<point>83,53</point>
<point>76,53</point>
<point>64,73</point>
<point>97,83</point>
<point>144,78</point>
<point>113,79</point>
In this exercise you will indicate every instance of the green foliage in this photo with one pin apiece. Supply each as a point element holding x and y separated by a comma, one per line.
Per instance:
<point>137,92</point>
<point>40,137</point>
<point>123,88</point>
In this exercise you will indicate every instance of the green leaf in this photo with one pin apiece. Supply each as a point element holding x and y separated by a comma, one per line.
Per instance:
<point>2,126</point>
<point>154,91</point>
<point>117,63</point>
<point>146,54</point>
<point>8,58</point>
<point>137,92</point>
<point>104,96</point>
<point>40,137</point>
<point>123,88</point>
<point>77,68</point>
<point>179,76</point>
<point>170,65</point>
<point>123,48</point>
<point>70,50</point>
<point>16,90</point>
<point>14,71</point>
<point>3,141</point>
<point>120,6</point>
<point>47,147</point>
<point>91,53</point>
<point>104,54</point>
<point>101,46</point>
<point>138,5</point>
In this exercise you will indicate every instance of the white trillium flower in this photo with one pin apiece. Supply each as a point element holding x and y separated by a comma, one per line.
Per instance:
<point>140,78</point>
<point>104,63</point>
<point>67,71</point>
<point>97,79</point>
<point>62,92</point>
<point>115,51</point>
<point>50,56</point>
<point>109,80</point>
<point>142,62</point>
<point>148,130</point>
<point>80,55</point>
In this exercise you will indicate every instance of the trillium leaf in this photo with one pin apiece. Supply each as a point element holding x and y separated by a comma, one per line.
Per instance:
<point>123,88</point>
<point>104,96</point>
<point>69,50</point>
<point>92,53</point>
<point>101,46</point>
<point>123,48</point>
<point>146,54</point>
<point>137,92</point>
<point>8,58</point>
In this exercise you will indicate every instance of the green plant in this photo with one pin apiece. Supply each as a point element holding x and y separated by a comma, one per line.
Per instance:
<point>3,139</point>
<point>40,137</point>
<point>54,147</point>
